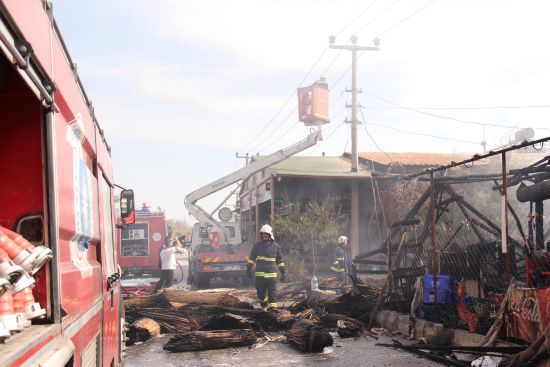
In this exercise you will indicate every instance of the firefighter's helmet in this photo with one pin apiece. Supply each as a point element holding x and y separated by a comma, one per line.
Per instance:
<point>342,239</point>
<point>266,228</point>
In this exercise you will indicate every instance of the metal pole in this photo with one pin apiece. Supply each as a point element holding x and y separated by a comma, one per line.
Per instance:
<point>249,236</point>
<point>257,230</point>
<point>354,154</point>
<point>504,218</point>
<point>390,262</point>
<point>272,188</point>
<point>434,255</point>
<point>355,235</point>
<point>539,225</point>
<point>52,219</point>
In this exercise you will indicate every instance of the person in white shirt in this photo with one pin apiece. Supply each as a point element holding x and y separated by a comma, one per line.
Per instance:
<point>168,263</point>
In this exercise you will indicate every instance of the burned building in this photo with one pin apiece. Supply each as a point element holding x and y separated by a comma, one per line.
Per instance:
<point>305,178</point>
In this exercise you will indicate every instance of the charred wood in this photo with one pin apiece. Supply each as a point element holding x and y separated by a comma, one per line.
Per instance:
<point>142,330</point>
<point>308,337</point>
<point>215,339</point>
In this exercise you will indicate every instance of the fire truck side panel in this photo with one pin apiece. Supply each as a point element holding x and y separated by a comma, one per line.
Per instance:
<point>111,324</point>
<point>44,339</point>
<point>85,254</point>
<point>80,269</point>
<point>33,22</point>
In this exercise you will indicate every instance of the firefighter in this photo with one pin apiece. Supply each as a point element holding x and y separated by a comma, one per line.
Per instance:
<point>267,256</point>
<point>340,265</point>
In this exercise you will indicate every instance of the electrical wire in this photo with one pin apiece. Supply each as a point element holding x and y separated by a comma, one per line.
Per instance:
<point>376,190</point>
<point>448,117</point>
<point>354,19</point>
<point>460,108</point>
<point>325,71</point>
<point>405,19</point>
<point>422,134</point>
<point>377,16</point>
<point>287,100</point>
<point>329,136</point>
<point>292,127</point>
<point>379,35</point>
<point>261,142</point>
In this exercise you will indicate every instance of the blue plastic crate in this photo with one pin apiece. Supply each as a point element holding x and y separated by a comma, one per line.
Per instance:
<point>444,296</point>
<point>444,282</point>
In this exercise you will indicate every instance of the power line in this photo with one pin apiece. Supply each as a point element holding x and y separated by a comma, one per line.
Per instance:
<point>307,75</point>
<point>377,16</point>
<point>448,117</point>
<point>288,130</point>
<point>276,129</point>
<point>422,134</point>
<point>354,19</point>
<point>329,136</point>
<point>376,190</point>
<point>371,137</point>
<point>379,35</point>
<point>333,61</point>
<point>287,100</point>
<point>405,19</point>
<point>464,108</point>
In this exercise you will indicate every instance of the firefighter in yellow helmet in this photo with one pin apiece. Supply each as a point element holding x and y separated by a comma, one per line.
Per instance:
<point>267,256</point>
<point>340,264</point>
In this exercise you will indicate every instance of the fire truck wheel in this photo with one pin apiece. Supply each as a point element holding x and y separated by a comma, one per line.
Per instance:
<point>245,281</point>
<point>190,274</point>
<point>202,280</point>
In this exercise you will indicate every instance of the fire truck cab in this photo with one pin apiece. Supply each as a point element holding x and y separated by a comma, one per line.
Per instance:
<point>140,243</point>
<point>56,195</point>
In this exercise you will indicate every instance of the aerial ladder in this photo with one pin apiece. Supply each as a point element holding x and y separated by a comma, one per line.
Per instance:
<point>216,248</point>
<point>206,218</point>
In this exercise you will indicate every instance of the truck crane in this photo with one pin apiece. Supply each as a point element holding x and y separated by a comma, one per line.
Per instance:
<point>216,248</point>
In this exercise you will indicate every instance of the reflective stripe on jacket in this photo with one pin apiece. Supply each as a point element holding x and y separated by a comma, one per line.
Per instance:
<point>267,257</point>
<point>339,260</point>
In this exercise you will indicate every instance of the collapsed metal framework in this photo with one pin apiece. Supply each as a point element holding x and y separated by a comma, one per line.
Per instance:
<point>445,232</point>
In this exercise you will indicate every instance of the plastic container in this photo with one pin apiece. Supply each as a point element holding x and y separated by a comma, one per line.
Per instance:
<point>446,289</point>
<point>314,283</point>
<point>444,282</point>
<point>444,296</point>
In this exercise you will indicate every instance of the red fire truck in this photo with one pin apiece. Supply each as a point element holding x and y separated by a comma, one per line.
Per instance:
<point>140,243</point>
<point>59,292</point>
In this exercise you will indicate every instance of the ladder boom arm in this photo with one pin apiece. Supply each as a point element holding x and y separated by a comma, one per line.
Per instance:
<point>204,217</point>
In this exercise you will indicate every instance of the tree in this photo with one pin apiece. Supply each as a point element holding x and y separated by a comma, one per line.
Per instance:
<point>304,228</point>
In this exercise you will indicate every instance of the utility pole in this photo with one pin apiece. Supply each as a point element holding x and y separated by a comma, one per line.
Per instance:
<point>354,47</point>
<point>247,157</point>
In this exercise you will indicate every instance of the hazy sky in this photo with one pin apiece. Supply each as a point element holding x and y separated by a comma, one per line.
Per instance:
<point>179,86</point>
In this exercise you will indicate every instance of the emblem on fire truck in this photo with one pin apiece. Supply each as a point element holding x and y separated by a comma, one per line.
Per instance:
<point>83,199</point>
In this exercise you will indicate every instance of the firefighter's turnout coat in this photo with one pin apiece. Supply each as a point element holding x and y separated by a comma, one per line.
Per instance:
<point>339,264</point>
<point>267,257</point>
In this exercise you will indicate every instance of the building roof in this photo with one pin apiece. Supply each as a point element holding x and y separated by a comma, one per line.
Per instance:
<point>316,166</point>
<point>413,159</point>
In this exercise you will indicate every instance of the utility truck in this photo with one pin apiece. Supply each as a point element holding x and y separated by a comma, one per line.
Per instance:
<point>217,249</point>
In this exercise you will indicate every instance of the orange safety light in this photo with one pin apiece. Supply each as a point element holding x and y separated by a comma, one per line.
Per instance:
<point>313,103</point>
